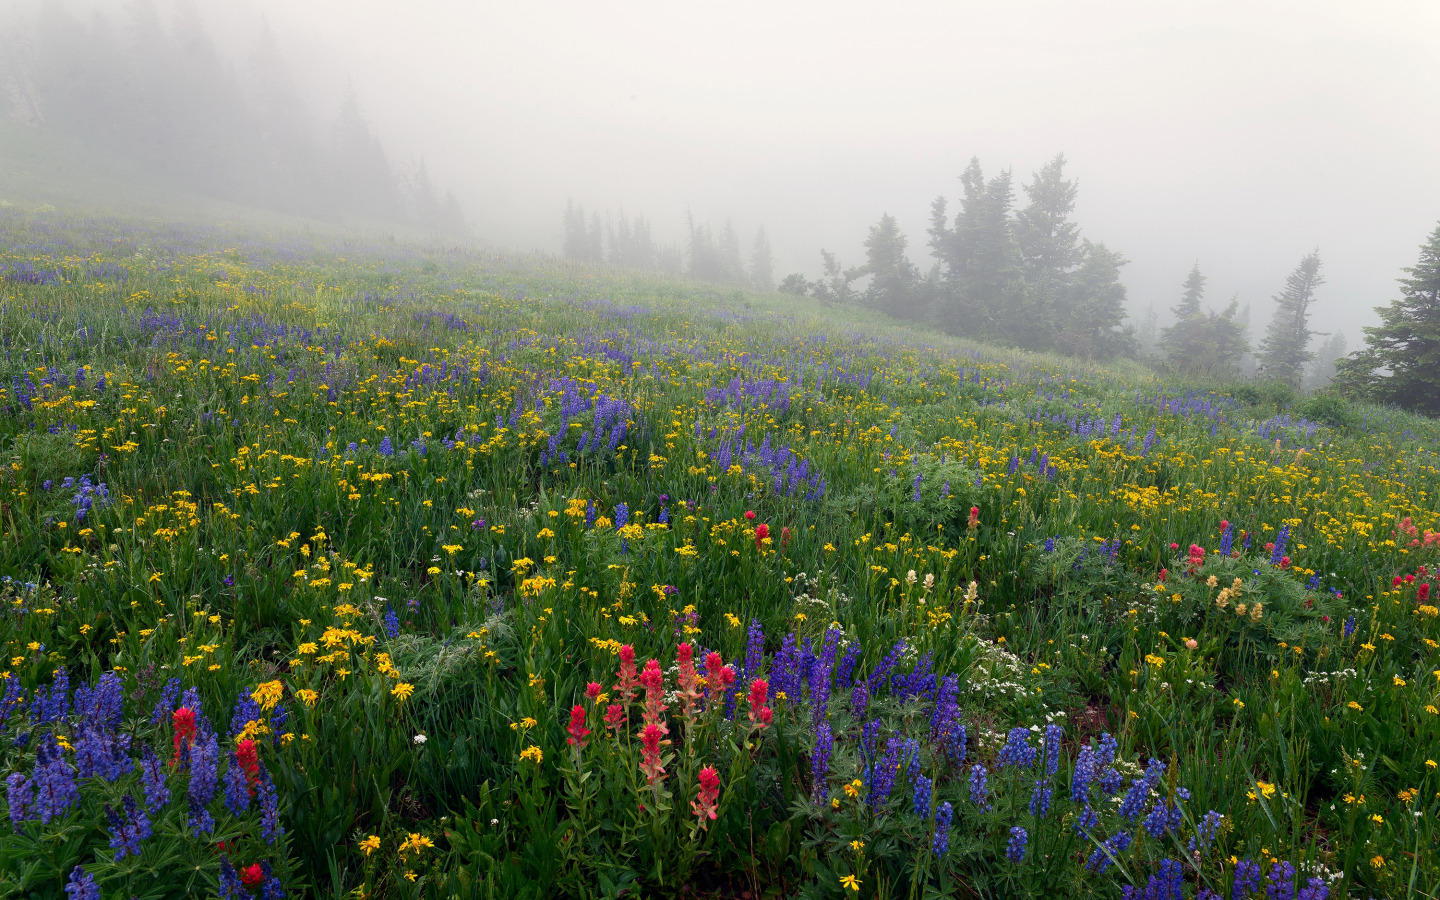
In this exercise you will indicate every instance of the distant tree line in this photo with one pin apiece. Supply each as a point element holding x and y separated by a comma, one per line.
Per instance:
<point>1020,276</point>
<point>709,254</point>
<point>161,94</point>
<point>1025,276</point>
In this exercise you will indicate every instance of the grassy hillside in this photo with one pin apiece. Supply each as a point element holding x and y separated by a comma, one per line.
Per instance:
<point>372,570</point>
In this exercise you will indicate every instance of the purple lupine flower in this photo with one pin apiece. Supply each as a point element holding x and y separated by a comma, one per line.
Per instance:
<point>941,843</point>
<point>1140,788</point>
<point>152,778</point>
<point>622,515</point>
<point>166,704</point>
<point>882,780</point>
<point>1167,884</point>
<point>1349,627</point>
<point>204,775</point>
<point>1227,539</point>
<point>385,448</point>
<point>1017,750</point>
<point>1106,750</point>
<point>1053,736</point>
<point>1104,855</point>
<point>1314,889</point>
<point>100,753</point>
<point>1247,879</point>
<point>270,888</point>
<point>1088,820</point>
<point>237,789</point>
<point>1205,831</point>
<point>20,798</point>
<point>920,804</point>
<point>980,787</point>
<point>946,707</point>
<point>1086,771</point>
<point>270,827</point>
<point>1015,847</point>
<point>881,675</point>
<point>127,833</point>
<point>104,704</point>
<point>246,711</point>
<point>1040,798</point>
<point>53,705</point>
<point>278,717</point>
<point>230,884</point>
<point>1161,816</point>
<point>785,669</point>
<point>82,886</point>
<point>859,699</point>
<point>846,672</point>
<point>54,779</point>
<point>392,622</point>
<point>1280,883</point>
<point>820,761</point>
<point>1279,552</point>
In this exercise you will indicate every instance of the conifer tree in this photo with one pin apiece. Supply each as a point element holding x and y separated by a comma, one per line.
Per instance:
<point>892,275</point>
<point>1400,362</point>
<point>1094,304</point>
<point>1285,352</point>
<point>1049,246</point>
<point>762,269</point>
<point>1183,340</point>
<point>1322,369</point>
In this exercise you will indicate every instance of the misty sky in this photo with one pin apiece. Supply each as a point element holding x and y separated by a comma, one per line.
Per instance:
<point>1241,134</point>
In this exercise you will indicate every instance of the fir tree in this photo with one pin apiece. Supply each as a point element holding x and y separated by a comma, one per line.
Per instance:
<point>1183,340</point>
<point>1400,362</point>
<point>1322,369</point>
<point>892,275</point>
<point>1285,352</point>
<point>1094,307</point>
<point>1049,245</point>
<point>761,276</point>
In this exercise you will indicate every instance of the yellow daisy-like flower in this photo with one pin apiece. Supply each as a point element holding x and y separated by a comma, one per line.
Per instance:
<point>533,754</point>
<point>370,844</point>
<point>403,690</point>
<point>851,882</point>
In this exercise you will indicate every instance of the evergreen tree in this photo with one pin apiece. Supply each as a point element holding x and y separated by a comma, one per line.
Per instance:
<point>1049,245</point>
<point>892,275</point>
<point>1400,362</point>
<point>1094,301</point>
<point>1222,344</point>
<point>576,241</point>
<point>1322,369</point>
<point>834,283</point>
<point>1183,340</point>
<point>762,277</point>
<point>982,262</point>
<point>1285,353</point>
<point>794,283</point>
<point>1148,334</point>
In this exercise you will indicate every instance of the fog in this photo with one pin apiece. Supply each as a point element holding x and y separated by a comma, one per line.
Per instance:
<point>1240,135</point>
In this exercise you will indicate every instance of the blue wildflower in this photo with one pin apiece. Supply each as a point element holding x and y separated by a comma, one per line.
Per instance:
<point>152,778</point>
<point>20,798</point>
<point>941,843</point>
<point>82,886</point>
<point>127,833</point>
<point>920,804</point>
<point>979,786</point>
<point>1015,847</point>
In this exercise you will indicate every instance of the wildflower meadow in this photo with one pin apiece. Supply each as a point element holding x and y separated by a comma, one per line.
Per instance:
<point>352,567</point>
